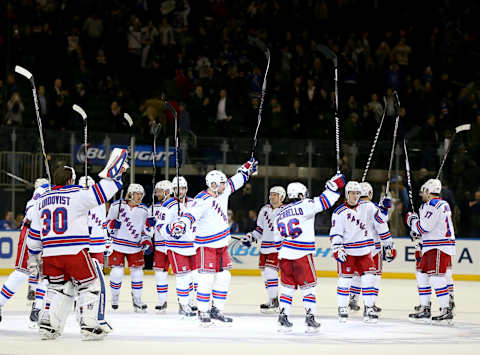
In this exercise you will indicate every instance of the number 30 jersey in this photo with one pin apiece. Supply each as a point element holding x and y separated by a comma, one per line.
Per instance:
<point>60,217</point>
<point>295,222</point>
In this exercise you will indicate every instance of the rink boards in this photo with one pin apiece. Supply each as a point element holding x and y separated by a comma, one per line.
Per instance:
<point>466,262</point>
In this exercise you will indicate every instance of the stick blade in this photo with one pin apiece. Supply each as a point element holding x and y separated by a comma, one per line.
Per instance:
<point>22,71</point>
<point>128,118</point>
<point>463,127</point>
<point>80,111</point>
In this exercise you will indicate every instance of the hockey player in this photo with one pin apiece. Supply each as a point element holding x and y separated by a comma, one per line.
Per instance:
<point>434,226</point>
<point>59,230</point>
<point>96,219</point>
<point>295,222</point>
<point>271,241</point>
<point>24,269</point>
<point>163,191</point>
<point>181,252</point>
<point>208,213</point>
<point>130,241</point>
<point>352,244</point>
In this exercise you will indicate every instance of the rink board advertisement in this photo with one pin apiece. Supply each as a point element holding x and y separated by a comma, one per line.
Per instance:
<point>466,263</point>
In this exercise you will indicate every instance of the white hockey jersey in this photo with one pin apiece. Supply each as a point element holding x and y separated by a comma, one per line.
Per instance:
<point>350,227</point>
<point>378,228</point>
<point>436,227</point>
<point>185,244</point>
<point>60,217</point>
<point>295,223</point>
<point>96,220</point>
<point>158,238</point>
<point>266,231</point>
<point>132,231</point>
<point>209,215</point>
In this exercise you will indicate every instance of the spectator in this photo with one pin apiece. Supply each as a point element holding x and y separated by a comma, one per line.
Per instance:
<point>19,220</point>
<point>474,215</point>
<point>42,102</point>
<point>234,228</point>
<point>15,110</point>
<point>165,32</point>
<point>9,222</point>
<point>250,222</point>
<point>224,115</point>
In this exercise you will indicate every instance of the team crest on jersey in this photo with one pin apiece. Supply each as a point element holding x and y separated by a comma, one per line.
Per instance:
<point>348,268</point>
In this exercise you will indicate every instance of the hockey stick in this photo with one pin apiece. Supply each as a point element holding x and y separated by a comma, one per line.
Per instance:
<point>394,140</point>
<point>155,130</point>
<point>327,52</point>
<point>82,113</point>
<point>130,124</point>
<point>177,165</point>
<point>18,178</point>
<point>409,178</point>
<point>461,128</point>
<point>365,172</point>
<point>262,46</point>
<point>25,73</point>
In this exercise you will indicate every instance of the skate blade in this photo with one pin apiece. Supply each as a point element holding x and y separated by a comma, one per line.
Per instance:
<point>270,311</point>
<point>220,324</point>
<point>311,330</point>
<point>187,318</point>
<point>206,324</point>
<point>420,321</point>
<point>370,320</point>
<point>342,320</point>
<point>87,336</point>
<point>46,335</point>
<point>284,330</point>
<point>139,310</point>
<point>443,323</point>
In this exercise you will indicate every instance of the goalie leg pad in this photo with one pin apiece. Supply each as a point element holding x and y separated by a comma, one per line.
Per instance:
<point>58,304</point>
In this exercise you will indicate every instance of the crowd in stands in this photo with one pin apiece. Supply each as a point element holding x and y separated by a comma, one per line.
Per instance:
<point>128,56</point>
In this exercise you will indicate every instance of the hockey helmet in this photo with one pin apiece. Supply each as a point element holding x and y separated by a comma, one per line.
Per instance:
<point>215,176</point>
<point>164,185</point>
<point>433,186</point>
<point>135,188</point>
<point>294,189</point>
<point>39,182</point>
<point>182,182</point>
<point>280,191</point>
<point>366,190</point>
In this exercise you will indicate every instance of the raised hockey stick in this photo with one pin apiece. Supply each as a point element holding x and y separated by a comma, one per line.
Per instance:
<point>18,178</point>
<point>82,113</point>
<point>25,73</point>
<point>130,124</point>
<point>177,145</point>
<point>327,52</point>
<point>372,150</point>
<point>394,141</point>
<point>262,46</point>
<point>155,130</point>
<point>461,128</point>
<point>409,178</point>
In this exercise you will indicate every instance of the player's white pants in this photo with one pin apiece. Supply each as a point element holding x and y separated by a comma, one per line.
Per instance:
<point>162,285</point>
<point>40,293</point>
<point>183,282</point>
<point>286,297</point>
<point>220,289</point>
<point>439,283</point>
<point>356,288</point>
<point>424,289</point>
<point>449,278</point>
<point>116,276</point>
<point>270,278</point>
<point>136,274</point>
<point>11,285</point>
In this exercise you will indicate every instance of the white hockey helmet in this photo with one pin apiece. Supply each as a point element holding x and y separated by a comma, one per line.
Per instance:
<point>422,189</point>
<point>39,191</point>
<point>86,181</point>
<point>215,176</point>
<point>39,182</point>
<point>294,189</point>
<point>182,182</point>
<point>366,190</point>
<point>164,185</point>
<point>135,188</point>
<point>433,186</point>
<point>280,191</point>
<point>74,176</point>
<point>352,186</point>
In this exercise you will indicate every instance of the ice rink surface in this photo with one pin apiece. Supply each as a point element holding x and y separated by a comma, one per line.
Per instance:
<point>255,333</point>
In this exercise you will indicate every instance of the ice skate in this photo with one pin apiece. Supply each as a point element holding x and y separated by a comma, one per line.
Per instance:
<point>311,325</point>
<point>369,315</point>
<point>445,317</point>
<point>353,304</point>
<point>219,317</point>
<point>271,307</point>
<point>204,318</point>
<point>34,313</point>
<point>161,308</point>
<point>186,311</point>
<point>342,314</point>
<point>285,326</point>
<point>417,308</point>
<point>422,316</point>
<point>115,302</point>
<point>31,294</point>
<point>47,332</point>
<point>377,309</point>
<point>138,305</point>
<point>97,333</point>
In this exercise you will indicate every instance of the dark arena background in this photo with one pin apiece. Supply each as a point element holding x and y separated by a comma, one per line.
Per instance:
<point>344,76</point>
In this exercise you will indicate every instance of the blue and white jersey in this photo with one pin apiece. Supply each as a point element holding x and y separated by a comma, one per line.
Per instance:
<point>132,231</point>
<point>185,244</point>
<point>158,238</point>
<point>96,220</point>
<point>265,231</point>
<point>353,226</point>
<point>209,215</point>
<point>295,223</point>
<point>435,226</point>
<point>60,217</point>
<point>378,227</point>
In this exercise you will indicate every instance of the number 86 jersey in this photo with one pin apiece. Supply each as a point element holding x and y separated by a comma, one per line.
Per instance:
<point>295,222</point>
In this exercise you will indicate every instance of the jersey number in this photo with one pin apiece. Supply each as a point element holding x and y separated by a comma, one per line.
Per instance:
<point>290,229</point>
<point>59,222</point>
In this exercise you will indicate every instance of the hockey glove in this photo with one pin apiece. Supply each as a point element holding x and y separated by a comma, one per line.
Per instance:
<point>114,224</point>
<point>390,252</point>
<point>117,164</point>
<point>339,253</point>
<point>147,246</point>
<point>176,229</point>
<point>249,168</point>
<point>410,218</point>
<point>414,236</point>
<point>248,239</point>
<point>150,222</point>
<point>335,183</point>
<point>108,246</point>
<point>385,205</point>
